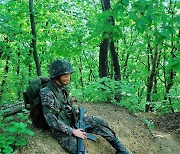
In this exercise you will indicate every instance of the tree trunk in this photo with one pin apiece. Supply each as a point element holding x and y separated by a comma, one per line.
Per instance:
<point>19,91</point>
<point>103,58</point>
<point>80,70</point>
<point>1,54</point>
<point>150,80</point>
<point>30,63</point>
<point>33,31</point>
<point>157,72</point>
<point>91,75</point>
<point>105,5</point>
<point>114,54</point>
<point>125,65</point>
<point>169,82</point>
<point>103,54</point>
<point>11,109</point>
<point>116,65</point>
<point>6,69</point>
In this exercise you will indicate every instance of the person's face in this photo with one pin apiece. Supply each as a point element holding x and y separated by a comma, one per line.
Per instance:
<point>65,79</point>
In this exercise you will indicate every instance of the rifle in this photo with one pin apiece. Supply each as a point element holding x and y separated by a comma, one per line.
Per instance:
<point>80,125</point>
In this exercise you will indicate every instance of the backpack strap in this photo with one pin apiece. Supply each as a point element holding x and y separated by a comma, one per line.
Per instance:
<point>58,96</point>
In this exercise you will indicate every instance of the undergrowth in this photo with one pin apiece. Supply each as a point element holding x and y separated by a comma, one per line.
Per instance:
<point>123,93</point>
<point>107,90</point>
<point>13,132</point>
<point>150,124</point>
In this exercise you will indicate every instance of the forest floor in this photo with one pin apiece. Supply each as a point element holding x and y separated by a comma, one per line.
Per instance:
<point>131,131</point>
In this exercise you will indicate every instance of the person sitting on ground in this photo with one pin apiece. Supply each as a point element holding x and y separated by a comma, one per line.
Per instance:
<point>61,115</point>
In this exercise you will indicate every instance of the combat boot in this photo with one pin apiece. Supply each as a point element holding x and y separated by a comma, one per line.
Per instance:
<point>118,146</point>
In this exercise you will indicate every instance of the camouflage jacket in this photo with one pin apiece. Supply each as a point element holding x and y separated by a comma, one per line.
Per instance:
<point>55,109</point>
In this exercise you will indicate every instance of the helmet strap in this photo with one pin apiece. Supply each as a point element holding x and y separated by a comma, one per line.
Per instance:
<point>58,82</point>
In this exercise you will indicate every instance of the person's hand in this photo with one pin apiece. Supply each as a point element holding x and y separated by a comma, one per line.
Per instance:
<point>79,133</point>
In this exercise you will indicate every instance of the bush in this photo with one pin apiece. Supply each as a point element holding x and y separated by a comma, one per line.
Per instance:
<point>104,90</point>
<point>150,124</point>
<point>13,133</point>
<point>107,90</point>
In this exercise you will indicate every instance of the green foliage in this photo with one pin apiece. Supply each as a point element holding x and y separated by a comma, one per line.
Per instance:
<point>74,30</point>
<point>130,97</point>
<point>107,90</point>
<point>175,65</point>
<point>164,107</point>
<point>161,107</point>
<point>13,134</point>
<point>104,90</point>
<point>150,124</point>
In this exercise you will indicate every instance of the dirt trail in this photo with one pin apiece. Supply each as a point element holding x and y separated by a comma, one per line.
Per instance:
<point>131,131</point>
<point>167,142</point>
<point>167,133</point>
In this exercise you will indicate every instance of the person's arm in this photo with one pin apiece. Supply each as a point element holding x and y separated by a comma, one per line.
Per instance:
<point>51,111</point>
<point>75,109</point>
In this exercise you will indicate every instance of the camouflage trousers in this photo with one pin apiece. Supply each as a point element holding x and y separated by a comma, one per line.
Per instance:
<point>99,126</point>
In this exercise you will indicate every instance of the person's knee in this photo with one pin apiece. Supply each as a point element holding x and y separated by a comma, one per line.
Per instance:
<point>101,121</point>
<point>69,144</point>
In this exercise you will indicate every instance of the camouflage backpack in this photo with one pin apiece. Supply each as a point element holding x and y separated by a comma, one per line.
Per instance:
<point>32,100</point>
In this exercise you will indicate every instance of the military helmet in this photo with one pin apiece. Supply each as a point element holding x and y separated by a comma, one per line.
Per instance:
<point>60,67</point>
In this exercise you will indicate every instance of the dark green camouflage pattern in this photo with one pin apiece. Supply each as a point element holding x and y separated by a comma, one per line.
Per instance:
<point>99,127</point>
<point>54,113</point>
<point>62,125</point>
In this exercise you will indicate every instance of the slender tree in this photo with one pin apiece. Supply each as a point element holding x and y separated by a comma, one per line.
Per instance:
<point>108,43</point>
<point>114,56</point>
<point>151,78</point>
<point>103,58</point>
<point>6,70</point>
<point>33,31</point>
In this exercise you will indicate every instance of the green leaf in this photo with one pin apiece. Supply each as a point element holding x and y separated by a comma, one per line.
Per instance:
<point>2,138</point>
<point>9,118</point>
<point>25,110</point>
<point>11,138</point>
<point>20,125</point>
<point>21,141</point>
<point>9,141</point>
<point>165,33</point>
<point>20,115</point>
<point>7,149</point>
<point>29,132</point>
<point>150,9</point>
<point>121,11</point>
<point>125,2</point>
<point>12,130</point>
<point>174,64</point>
<point>133,16</point>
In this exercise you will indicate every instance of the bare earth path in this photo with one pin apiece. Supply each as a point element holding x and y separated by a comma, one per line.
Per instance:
<point>131,131</point>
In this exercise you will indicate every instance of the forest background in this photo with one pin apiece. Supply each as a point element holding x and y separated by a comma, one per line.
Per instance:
<point>123,52</point>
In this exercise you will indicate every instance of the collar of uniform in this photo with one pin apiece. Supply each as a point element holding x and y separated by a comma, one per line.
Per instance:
<point>59,87</point>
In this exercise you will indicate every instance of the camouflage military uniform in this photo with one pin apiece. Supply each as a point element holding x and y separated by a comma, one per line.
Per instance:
<point>62,125</point>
